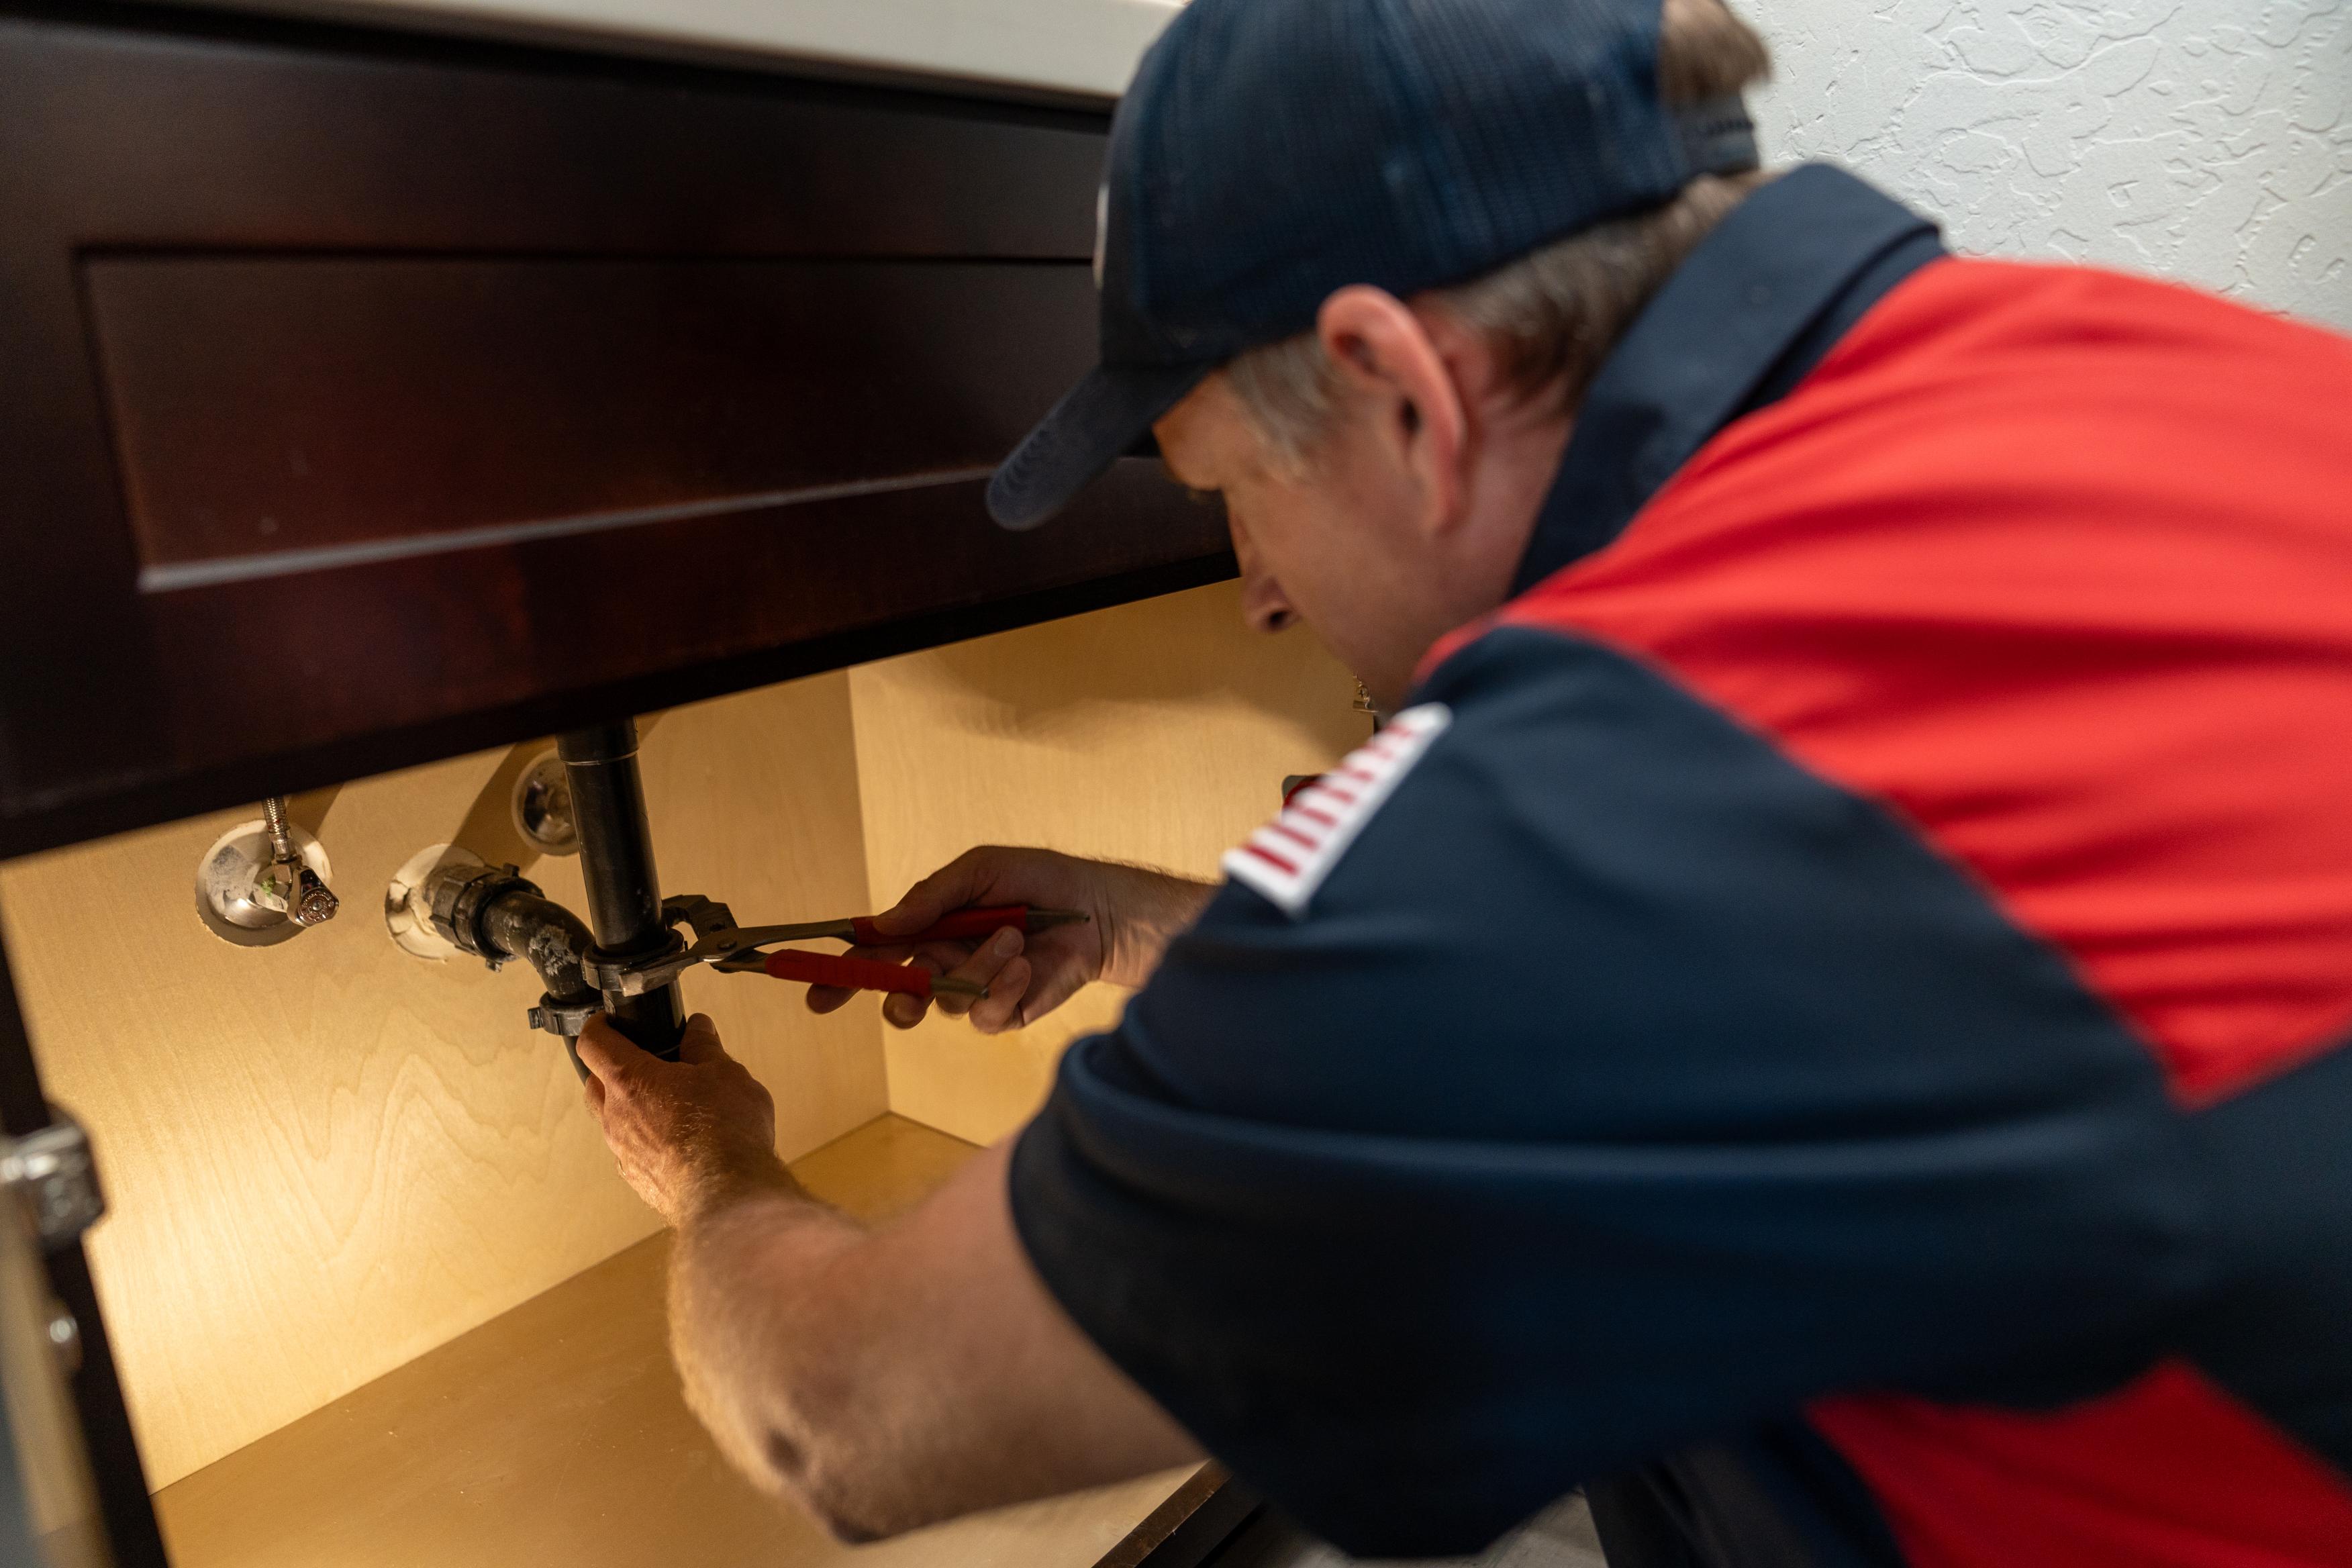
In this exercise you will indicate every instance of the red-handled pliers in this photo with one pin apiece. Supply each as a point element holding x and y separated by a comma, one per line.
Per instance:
<point>852,973</point>
<point>873,973</point>
<point>732,949</point>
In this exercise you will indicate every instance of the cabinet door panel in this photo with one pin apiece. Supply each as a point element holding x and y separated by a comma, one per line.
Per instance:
<point>283,414</point>
<point>372,400</point>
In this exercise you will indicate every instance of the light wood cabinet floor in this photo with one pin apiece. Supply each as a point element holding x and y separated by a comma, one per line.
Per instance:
<point>555,1433</point>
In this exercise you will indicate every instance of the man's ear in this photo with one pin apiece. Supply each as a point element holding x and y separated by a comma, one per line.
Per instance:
<point>1385,357</point>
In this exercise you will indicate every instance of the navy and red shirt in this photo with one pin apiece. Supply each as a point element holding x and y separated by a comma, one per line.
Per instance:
<point>1824,1024</point>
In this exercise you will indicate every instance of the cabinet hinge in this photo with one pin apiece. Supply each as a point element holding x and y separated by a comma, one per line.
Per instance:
<point>52,1174</point>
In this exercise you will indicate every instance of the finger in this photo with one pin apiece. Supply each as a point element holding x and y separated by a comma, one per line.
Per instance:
<point>832,998</point>
<point>607,1052</point>
<point>959,882</point>
<point>981,968</point>
<point>941,957</point>
<point>1052,983</point>
<point>699,1045</point>
<point>827,998</point>
<point>927,900</point>
<point>1001,1009</point>
<point>938,956</point>
<point>902,1011</point>
<point>594,1088</point>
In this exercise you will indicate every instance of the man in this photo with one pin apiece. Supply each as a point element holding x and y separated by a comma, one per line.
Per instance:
<point>1821,1018</point>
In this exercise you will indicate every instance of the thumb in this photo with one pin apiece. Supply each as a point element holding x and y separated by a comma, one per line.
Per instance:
<point>699,1045</point>
<point>606,1052</point>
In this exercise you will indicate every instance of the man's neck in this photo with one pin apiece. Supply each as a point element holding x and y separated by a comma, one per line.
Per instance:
<point>1519,449</point>
<point>1519,454</point>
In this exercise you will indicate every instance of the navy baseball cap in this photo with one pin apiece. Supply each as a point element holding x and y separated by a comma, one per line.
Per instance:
<point>1271,152</point>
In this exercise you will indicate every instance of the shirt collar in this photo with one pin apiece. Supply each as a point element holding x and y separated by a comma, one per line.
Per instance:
<point>1739,322</point>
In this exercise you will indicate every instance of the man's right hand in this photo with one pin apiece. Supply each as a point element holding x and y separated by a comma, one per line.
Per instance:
<point>1134,913</point>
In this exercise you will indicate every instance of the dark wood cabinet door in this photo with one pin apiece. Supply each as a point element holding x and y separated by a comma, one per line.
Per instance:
<point>363,399</point>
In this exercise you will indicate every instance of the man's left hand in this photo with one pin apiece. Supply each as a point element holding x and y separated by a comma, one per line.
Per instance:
<point>691,1136</point>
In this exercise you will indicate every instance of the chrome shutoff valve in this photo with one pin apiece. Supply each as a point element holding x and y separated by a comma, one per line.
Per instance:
<point>262,883</point>
<point>287,884</point>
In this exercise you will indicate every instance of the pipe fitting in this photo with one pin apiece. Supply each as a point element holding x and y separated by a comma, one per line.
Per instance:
<point>498,914</point>
<point>455,898</point>
<point>520,923</point>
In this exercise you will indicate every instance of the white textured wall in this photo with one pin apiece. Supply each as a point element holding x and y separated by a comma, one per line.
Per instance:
<point>2208,140</point>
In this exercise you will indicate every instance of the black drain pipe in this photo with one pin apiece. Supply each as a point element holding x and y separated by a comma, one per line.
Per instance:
<point>617,860</point>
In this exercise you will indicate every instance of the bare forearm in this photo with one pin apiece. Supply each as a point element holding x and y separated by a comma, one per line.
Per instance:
<point>747,1329</point>
<point>891,1379</point>
<point>1150,910</point>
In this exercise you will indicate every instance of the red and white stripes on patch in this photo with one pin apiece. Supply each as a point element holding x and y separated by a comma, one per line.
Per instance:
<point>1287,858</point>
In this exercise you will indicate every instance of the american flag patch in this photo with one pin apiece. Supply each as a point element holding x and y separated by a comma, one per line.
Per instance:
<point>1287,858</point>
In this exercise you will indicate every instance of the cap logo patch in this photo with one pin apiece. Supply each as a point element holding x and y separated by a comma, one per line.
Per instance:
<point>1287,858</point>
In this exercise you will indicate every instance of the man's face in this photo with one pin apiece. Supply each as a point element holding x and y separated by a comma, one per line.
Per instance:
<point>1319,542</point>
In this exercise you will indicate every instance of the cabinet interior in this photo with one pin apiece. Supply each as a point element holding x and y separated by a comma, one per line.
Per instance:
<point>375,1293</point>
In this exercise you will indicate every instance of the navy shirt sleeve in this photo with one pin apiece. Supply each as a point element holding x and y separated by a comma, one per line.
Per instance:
<point>1621,1086</point>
